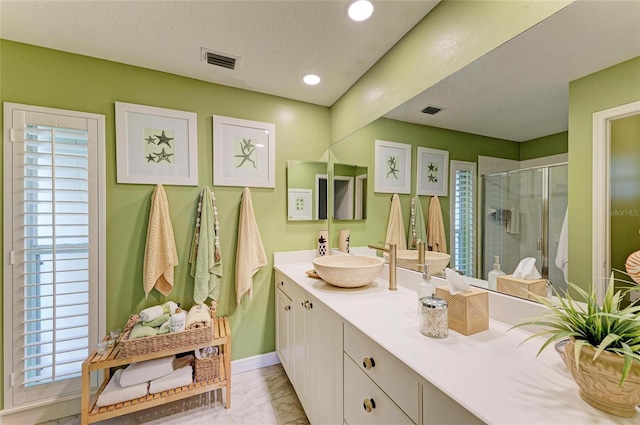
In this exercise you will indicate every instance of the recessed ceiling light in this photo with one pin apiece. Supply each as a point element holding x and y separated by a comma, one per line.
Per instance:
<point>311,79</point>
<point>360,10</point>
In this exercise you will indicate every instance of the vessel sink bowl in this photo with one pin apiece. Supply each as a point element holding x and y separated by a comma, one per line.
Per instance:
<point>348,271</point>
<point>408,258</point>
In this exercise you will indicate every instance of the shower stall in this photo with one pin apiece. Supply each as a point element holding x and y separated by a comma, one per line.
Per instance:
<point>522,215</point>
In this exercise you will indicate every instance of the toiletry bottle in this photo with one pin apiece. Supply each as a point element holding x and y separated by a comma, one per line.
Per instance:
<point>177,320</point>
<point>493,274</point>
<point>426,288</point>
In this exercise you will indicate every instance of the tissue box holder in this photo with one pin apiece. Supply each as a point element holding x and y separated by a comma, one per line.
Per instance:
<point>521,288</point>
<point>468,311</point>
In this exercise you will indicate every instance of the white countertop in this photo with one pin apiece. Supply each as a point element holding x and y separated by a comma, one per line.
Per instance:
<point>487,373</point>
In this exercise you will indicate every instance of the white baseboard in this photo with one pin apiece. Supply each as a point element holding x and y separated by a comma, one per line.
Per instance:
<point>254,362</point>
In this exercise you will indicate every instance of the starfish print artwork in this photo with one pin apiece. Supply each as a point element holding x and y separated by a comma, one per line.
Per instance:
<point>151,139</point>
<point>432,178</point>
<point>164,156</point>
<point>164,139</point>
<point>151,158</point>
<point>392,166</point>
<point>247,149</point>
<point>432,167</point>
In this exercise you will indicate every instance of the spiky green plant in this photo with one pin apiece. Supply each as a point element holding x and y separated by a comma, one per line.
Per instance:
<point>607,328</point>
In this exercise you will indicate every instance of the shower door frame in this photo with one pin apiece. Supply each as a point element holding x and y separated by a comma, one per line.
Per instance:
<point>544,248</point>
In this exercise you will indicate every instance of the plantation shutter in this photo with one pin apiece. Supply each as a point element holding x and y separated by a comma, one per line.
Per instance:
<point>463,182</point>
<point>55,250</point>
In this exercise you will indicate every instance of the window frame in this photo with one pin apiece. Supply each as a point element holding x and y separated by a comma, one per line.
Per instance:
<point>97,261</point>
<point>472,167</point>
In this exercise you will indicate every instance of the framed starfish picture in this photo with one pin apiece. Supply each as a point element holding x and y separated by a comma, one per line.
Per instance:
<point>243,152</point>
<point>392,170</point>
<point>433,171</point>
<point>156,145</point>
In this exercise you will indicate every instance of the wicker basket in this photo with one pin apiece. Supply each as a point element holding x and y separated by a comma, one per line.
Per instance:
<point>168,341</point>
<point>207,369</point>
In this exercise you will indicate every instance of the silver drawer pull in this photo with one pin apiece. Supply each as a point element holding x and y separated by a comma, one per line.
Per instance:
<point>368,363</point>
<point>368,404</point>
<point>281,283</point>
<point>287,308</point>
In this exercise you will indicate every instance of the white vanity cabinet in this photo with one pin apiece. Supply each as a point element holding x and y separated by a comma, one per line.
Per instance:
<point>312,350</point>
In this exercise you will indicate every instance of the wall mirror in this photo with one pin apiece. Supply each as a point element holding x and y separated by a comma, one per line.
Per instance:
<point>349,192</point>
<point>516,94</point>
<point>307,184</point>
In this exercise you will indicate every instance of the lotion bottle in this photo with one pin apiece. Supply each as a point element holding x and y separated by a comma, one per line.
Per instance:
<point>426,288</point>
<point>493,274</point>
<point>177,320</point>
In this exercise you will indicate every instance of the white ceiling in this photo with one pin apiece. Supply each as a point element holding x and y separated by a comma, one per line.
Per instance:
<point>278,41</point>
<point>520,91</point>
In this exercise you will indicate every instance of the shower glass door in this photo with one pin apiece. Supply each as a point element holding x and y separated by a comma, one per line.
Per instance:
<point>513,226</point>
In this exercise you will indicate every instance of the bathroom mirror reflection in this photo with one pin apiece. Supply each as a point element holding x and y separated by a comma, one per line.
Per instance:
<point>509,108</point>
<point>307,189</point>
<point>349,192</point>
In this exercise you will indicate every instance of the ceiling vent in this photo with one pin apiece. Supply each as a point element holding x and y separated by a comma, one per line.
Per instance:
<point>222,60</point>
<point>432,110</point>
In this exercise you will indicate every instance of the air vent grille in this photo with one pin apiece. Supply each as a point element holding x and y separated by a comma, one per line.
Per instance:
<point>220,59</point>
<point>432,110</point>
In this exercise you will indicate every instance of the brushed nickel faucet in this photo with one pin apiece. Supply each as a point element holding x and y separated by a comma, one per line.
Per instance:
<point>392,263</point>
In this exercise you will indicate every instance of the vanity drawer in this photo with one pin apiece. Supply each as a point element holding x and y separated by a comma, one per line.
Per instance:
<point>365,403</point>
<point>284,284</point>
<point>398,381</point>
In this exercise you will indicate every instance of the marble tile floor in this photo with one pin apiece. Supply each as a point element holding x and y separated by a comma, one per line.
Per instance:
<point>262,396</point>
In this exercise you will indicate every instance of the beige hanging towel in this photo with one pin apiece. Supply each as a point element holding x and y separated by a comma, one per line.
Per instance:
<point>395,227</point>
<point>160,254</point>
<point>436,237</point>
<point>250,255</point>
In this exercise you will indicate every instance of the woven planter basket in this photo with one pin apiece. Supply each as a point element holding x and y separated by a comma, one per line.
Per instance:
<point>168,341</point>
<point>207,369</point>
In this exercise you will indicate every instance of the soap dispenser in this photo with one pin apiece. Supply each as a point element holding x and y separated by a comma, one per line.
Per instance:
<point>493,274</point>
<point>426,288</point>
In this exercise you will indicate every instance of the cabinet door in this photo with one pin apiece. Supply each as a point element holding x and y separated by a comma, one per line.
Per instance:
<point>284,329</point>
<point>438,408</point>
<point>301,338</point>
<point>325,364</point>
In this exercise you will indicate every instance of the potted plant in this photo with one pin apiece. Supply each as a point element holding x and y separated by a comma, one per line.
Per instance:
<point>603,353</point>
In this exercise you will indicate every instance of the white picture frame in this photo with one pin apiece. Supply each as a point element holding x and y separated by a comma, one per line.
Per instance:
<point>392,168</point>
<point>299,204</point>
<point>433,172</point>
<point>243,152</point>
<point>156,145</point>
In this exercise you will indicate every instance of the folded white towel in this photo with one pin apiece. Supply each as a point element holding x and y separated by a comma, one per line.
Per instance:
<point>177,378</point>
<point>115,393</point>
<point>139,372</point>
<point>151,313</point>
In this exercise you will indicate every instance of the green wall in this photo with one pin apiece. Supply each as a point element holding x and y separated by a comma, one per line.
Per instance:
<point>359,149</point>
<point>544,146</point>
<point>38,76</point>
<point>451,36</point>
<point>609,88</point>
